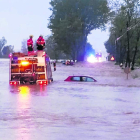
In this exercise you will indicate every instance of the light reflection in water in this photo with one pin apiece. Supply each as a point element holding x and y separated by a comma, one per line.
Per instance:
<point>24,91</point>
<point>23,108</point>
<point>43,90</point>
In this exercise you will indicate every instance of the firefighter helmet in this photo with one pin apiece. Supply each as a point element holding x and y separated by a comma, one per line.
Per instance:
<point>31,36</point>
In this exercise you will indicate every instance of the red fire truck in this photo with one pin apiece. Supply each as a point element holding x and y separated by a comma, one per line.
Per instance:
<point>34,68</point>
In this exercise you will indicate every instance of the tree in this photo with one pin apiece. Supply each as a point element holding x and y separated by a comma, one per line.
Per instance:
<point>125,33</point>
<point>52,50</point>
<point>72,21</point>
<point>110,47</point>
<point>7,50</point>
<point>3,41</point>
<point>24,46</point>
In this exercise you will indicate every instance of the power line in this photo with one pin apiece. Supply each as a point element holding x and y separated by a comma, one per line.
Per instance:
<point>128,29</point>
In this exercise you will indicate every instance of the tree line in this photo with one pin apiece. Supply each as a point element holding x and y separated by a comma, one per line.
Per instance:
<point>124,39</point>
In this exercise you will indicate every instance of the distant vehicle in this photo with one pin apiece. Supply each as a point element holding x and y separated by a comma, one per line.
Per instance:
<point>68,63</point>
<point>98,55</point>
<point>34,68</point>
<point>80,79</point>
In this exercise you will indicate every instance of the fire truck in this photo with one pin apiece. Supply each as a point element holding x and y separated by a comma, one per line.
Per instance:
<point>99,56</point>
<point>34,68</point>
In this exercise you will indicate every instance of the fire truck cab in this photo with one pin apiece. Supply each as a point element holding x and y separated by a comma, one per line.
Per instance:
<point>98,55</point>
<point>34,68</point>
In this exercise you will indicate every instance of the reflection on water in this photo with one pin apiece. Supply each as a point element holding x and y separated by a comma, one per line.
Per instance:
<point>24,91</point>
<point>23,109</point>
<point>24,97</point>
<point>43,90</point>
<point>28,90</point>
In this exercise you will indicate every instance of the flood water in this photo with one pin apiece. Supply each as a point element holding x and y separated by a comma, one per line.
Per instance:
<point>67,110</point>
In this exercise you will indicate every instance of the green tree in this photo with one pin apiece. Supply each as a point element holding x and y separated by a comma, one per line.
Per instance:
<point>73,20</point>
<point>125,33</point>
<point>52,50</point>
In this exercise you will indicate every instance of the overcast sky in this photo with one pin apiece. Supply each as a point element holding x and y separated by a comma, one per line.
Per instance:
<point>20,18</point>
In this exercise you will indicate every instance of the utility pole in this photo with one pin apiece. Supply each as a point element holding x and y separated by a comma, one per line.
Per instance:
<point>128,48</point>
<point>127,59</point>
<point>116,46</point>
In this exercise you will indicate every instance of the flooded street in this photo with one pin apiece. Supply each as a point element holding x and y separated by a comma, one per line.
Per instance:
<point>106,110</point>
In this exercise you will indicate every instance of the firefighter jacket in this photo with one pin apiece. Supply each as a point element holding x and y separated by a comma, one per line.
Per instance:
<point>30,42</point>
<point>40,41</point>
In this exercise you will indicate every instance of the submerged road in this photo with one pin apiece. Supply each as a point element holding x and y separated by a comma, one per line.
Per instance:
<point>106,110</point>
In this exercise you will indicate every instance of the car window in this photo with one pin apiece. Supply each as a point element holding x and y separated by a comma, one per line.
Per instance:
<point>84,79</point>
<point>75,79</point>
<point>90,79</point>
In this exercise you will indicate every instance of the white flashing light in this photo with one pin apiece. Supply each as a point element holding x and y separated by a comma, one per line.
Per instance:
<point>91,59</point>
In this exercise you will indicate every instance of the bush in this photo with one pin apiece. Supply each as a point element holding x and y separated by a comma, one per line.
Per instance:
<point>138,61</point>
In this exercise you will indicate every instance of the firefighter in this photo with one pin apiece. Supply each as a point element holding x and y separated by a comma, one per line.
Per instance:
<point>30,43</point>
<point>40,43</point>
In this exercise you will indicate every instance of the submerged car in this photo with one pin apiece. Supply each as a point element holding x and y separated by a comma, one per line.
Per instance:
<point>80,79</point>
<point>68,63</point>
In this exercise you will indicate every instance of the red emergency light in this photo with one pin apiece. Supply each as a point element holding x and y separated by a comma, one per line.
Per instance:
<point>10,55</point>
<point>14,83</point>
<point>43,82</point>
